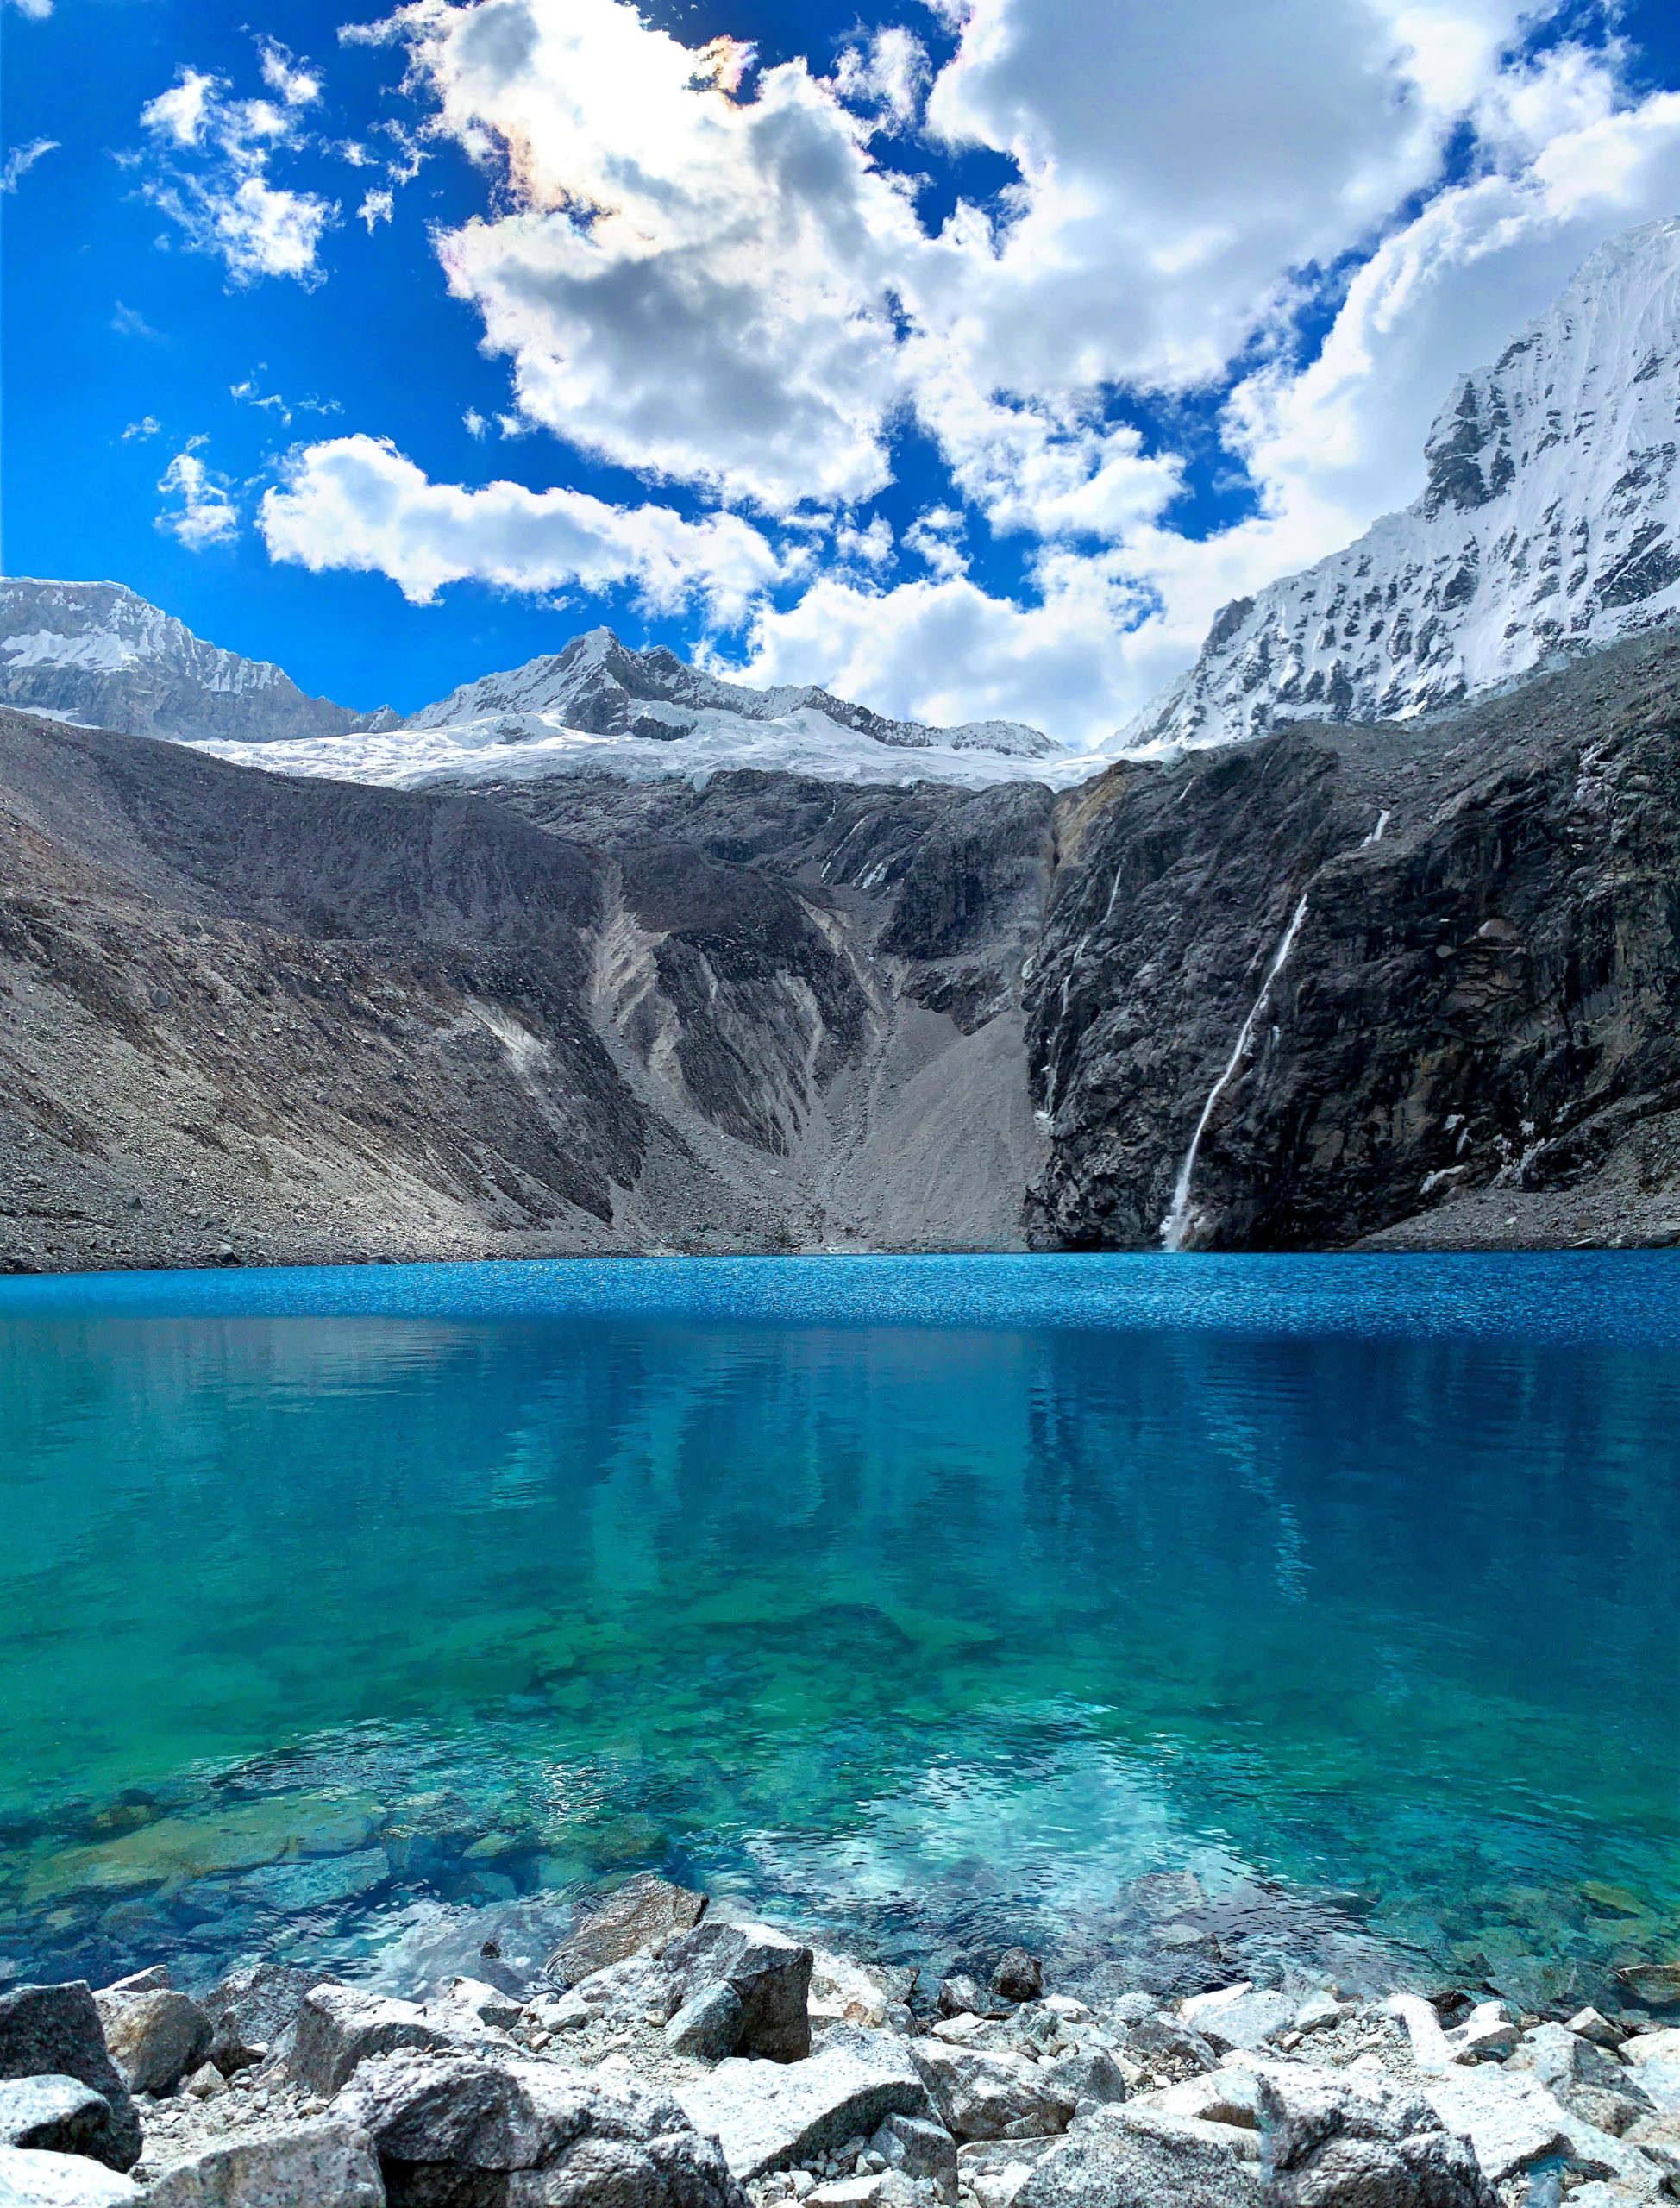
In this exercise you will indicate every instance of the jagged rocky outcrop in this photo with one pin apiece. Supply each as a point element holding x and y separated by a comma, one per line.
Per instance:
<point>1549,525</point>
<point>1421,979</point>
<point>97,654</point>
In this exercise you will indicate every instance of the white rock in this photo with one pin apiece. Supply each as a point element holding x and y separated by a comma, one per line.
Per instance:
<point>771,2116</point>
<point>1512,2122</point>
<point>326,2165</point>
<point>983,2093</point>
<point>32,2178</point>
<point>1653,2046</point>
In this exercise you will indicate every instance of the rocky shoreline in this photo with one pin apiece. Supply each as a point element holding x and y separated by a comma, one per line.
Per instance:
<point>665,2056</point>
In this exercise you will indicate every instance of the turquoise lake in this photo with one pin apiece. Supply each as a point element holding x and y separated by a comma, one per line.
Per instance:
<point>937,1600</point>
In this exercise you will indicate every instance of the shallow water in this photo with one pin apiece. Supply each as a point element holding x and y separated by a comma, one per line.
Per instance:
<point>939,1600</point>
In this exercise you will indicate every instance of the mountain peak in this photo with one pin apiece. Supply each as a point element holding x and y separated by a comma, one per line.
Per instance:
<point>99,654</point>
<point>1549,525</point>
<point>599,687</point>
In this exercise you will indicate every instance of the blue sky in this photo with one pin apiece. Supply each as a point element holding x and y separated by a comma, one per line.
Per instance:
<point>964,357</point>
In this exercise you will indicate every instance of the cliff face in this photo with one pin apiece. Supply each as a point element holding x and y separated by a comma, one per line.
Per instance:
<point>1423,980</point>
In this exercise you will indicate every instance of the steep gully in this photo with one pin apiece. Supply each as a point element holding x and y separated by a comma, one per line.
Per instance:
<point>1417,983</point>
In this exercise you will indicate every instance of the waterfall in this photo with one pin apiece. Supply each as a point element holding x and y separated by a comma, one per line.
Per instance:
<point>1375,835</point>
<point>1176,1224</point>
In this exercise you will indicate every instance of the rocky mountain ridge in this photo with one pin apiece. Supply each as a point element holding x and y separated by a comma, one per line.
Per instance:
<point>599,685</point>
<point>98,654</point>
<point>1549,525</point>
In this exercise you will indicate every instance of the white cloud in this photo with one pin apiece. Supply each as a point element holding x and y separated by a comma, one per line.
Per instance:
<point>935,536</point>
<point>702,275</point>
<point>147,426</point>
<point>129,322</point>
<point>356,502</point>
<point>214,181</point>
<point>475,423</point>
<point>377,206</point>
<point>21,159</point>
<point>945,651</point>
<point>871,546</point>
<point>201,512</point>
<point>36,10</point>
<point>249,392</point>
<point>694,285</point>
<point>294,81</point>
<point>886,77</point>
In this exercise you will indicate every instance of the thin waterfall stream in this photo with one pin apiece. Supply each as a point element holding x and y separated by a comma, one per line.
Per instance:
<point>1176,1224</point>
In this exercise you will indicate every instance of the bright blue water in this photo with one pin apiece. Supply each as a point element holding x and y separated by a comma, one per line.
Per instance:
<point>937,1600</point>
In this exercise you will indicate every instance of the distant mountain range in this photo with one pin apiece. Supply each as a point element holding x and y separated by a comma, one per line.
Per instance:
<point>97,654</point>
<point>1547,527</point>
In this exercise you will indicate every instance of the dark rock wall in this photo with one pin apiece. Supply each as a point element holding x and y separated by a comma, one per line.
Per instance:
<point>1484,998</point>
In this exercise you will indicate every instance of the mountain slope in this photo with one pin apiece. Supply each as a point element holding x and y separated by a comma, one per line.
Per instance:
<point>253,1017</point>
<point>98,654</point>
<point>1549,525</point>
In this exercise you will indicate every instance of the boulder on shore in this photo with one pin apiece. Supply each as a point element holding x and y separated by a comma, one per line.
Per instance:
<point>55,2030</point>
<point>769,2117</point>
<point>769,1974</point>
<point>452,2128</point>
<point>1134,2159</point>
<point>156,2036</point>
<point>1333,2141</point>
<point>325,2165</point>
<point>30,2177</point>
<point>60,2115</point>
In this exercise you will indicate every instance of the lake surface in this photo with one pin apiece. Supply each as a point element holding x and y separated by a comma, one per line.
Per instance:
<point>936,1600</point>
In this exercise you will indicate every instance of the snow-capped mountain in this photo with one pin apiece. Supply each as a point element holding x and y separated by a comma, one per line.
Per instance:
<point>598,707</point>
<point>97,654</point>
<point>600,686</point>
<point>1549,525</point>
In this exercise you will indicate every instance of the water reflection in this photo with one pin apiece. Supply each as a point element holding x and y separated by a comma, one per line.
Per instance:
<point>853,1617</point>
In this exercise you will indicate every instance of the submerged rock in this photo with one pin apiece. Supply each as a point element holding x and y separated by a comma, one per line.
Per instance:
<point>642,1917</point>
<point>55,2030</point>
